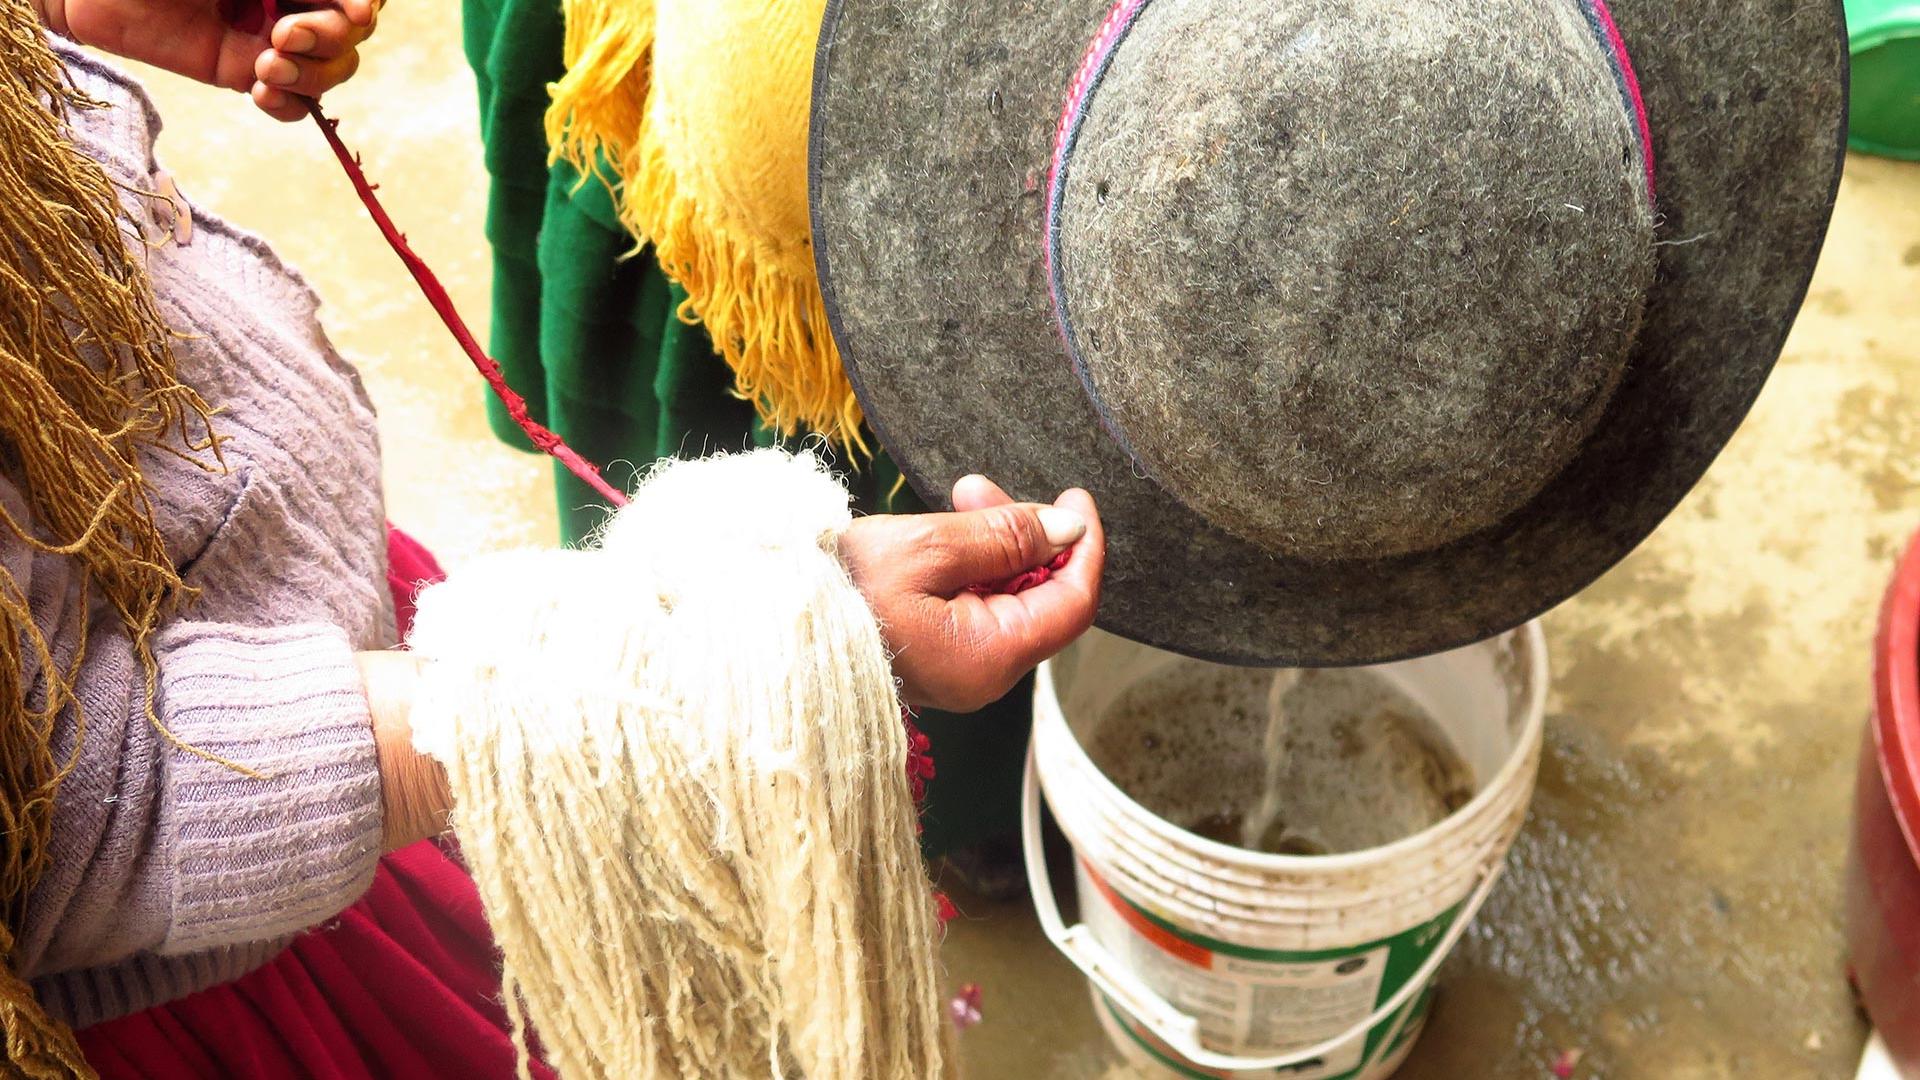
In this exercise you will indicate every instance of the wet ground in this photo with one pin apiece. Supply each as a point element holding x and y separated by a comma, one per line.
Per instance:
<point>1673,908</point>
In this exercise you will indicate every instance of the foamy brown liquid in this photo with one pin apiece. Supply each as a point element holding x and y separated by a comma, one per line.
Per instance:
<point>1358,763</point>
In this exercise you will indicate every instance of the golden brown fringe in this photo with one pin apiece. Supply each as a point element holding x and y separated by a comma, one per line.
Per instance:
<point>86,379</point>
<point>37,1046</point>
<point>769,324</point>
<point>600,103</point>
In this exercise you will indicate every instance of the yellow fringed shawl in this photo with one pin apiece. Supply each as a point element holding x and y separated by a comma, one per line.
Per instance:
<point>699,108</point>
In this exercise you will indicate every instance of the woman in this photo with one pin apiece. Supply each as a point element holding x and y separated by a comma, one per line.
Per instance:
<point>206,748</point>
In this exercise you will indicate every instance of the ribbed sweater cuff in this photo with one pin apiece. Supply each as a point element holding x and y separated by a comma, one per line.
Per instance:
<point>259,858</point>
<point>84,998</point>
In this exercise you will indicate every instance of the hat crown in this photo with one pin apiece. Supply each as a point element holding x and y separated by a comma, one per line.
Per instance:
<point>1353,278</point>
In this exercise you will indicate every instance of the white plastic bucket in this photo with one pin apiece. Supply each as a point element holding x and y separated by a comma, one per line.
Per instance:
<point>1207,960</point>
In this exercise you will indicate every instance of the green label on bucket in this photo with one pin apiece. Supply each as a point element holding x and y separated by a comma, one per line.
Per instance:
<point>1164,1056</point>
<point>1262,1002</point>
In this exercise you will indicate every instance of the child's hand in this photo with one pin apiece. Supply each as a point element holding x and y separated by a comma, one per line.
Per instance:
<point>956,650</point>
<point>313,52</point>
<point>300,57</point>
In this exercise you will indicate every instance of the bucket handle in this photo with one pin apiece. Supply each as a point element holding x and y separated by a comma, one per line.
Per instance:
<point>1176,1029</point>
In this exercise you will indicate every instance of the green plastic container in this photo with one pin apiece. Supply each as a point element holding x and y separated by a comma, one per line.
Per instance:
<point>1884,110</point>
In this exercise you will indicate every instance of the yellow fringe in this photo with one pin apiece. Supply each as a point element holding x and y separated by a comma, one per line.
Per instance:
<point>770,326</point>
<point>767,321</point>
<point>600,104</point>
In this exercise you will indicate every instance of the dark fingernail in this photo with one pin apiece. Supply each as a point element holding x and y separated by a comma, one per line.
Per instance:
<point>300,39</point>
<point>280,71</point>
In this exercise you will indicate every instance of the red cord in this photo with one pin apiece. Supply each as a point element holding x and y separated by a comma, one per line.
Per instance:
<point>436,295</point>
<point>250,16</point>
<point>1024,580</point>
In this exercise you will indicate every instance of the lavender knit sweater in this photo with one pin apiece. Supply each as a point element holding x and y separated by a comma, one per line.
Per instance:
<point>170,873</point>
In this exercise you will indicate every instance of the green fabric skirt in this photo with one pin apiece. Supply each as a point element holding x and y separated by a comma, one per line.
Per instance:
<point>587,329</point>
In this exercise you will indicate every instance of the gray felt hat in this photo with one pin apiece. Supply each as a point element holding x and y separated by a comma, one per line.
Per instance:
<point>1375,326</point>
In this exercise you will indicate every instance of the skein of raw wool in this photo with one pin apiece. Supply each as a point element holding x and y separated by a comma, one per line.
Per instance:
<point>679,779</point>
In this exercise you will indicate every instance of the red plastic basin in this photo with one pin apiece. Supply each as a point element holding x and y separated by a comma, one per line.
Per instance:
<point>1883,865</point>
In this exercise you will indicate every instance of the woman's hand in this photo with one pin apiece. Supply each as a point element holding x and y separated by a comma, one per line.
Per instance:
<point>953,649</point>
<point>298,58</point>
<point>414,798</point>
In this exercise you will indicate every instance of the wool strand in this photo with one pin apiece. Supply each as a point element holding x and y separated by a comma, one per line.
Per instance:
<point>680,782</point>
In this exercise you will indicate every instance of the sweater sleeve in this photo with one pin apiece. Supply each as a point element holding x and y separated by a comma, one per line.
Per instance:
<point>251,858</point>
<point>161,846</point>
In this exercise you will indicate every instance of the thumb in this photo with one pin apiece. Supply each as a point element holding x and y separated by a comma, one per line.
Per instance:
<point>997,542</point>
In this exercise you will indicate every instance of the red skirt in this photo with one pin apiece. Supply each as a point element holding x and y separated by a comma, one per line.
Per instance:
<point>404,983</point>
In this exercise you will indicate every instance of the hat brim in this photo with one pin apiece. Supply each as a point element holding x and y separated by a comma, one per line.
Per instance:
<point>931,133</point>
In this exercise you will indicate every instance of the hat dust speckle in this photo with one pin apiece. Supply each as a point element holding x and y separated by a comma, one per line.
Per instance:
<point>1364,320</point>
